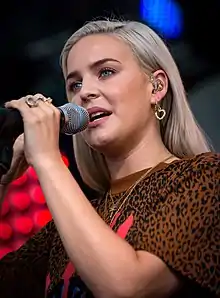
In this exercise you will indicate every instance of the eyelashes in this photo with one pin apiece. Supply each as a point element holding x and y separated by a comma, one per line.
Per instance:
<point>106,72</point>
<point>74,86</point>
<point>103,74</point>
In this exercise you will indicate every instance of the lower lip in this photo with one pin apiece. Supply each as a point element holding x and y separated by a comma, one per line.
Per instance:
<point>97,122</point>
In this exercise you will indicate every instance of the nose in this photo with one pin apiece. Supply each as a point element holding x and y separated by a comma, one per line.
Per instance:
<point>89,91</point>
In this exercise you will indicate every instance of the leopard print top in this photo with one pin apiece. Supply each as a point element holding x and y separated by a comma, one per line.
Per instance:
<point>176,216</point>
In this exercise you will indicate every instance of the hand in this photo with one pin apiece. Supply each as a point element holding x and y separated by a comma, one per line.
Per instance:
<point>41,128</point>
<point>18,165</point>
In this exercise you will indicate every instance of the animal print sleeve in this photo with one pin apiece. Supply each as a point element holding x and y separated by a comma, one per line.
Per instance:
<point>188,224</point>
<point>23,272</point>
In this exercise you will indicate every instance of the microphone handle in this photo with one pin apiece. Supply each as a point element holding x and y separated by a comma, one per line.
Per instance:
<point>12,126</point>
<point>6,154</point>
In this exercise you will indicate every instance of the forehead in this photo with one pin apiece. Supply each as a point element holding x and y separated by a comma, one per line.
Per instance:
<point>92,48</point>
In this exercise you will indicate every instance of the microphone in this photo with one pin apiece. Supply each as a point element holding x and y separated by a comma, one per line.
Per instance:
<point>73,119</point>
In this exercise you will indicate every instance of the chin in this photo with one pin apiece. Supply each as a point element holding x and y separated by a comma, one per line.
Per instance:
<point>99,142</point>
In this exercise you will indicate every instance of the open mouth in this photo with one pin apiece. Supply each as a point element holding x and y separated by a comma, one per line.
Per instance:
<point>98,115</point>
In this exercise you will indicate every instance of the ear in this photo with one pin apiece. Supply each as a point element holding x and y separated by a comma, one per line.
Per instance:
<point>160,83</point>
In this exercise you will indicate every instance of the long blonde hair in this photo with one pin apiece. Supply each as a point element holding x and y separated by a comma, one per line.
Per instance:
<point>179,131</point>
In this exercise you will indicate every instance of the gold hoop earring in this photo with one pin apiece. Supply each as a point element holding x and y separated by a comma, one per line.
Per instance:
<point>159,112</point>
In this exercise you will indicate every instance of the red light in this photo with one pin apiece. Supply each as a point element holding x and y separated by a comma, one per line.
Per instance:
<point>23,225</point>
<point>5,231</point>
<point>4,208</point>
<point>65,160</point>
<point>20,201</point>
<point>37,195</point>
<point>24,211</point>
<point>21,180</point>
<point>42,218</point>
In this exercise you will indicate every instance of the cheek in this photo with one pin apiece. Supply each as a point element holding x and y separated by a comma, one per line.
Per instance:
<point>137,110</point>
<point>119,99</point>
<point>74,99</point>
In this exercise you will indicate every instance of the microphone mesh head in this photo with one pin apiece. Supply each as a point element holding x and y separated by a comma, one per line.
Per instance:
<point>76,118</point>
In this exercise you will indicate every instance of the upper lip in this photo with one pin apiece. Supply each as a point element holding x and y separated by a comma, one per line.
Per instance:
<point>97,110</point>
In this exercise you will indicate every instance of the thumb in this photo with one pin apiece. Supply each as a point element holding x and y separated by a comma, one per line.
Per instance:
<point>18,167</point>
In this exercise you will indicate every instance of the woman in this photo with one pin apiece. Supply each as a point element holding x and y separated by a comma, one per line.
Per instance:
<point>153,230</point>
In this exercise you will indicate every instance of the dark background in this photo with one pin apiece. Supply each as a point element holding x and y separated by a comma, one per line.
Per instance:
<point>32,34</point>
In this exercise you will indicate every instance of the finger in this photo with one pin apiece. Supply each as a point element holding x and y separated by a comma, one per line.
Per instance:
<point>19,143</point>
<point>17,169</point>
<point>48,106</point>
<point>9,176</point>
<point>43,98</point>
<point>50,110</point>
<point>19,104</point>
<point>44,103</point>
<point>38,113</point>
<point>39,97</point>
<point>13,103</point>
<point>21,167</point>
<point>29,114</point>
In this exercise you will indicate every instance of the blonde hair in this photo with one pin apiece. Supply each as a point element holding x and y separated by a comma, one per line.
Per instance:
<point>179,130</point>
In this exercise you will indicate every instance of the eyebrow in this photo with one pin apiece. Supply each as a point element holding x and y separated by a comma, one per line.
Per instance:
<point>97,63</point>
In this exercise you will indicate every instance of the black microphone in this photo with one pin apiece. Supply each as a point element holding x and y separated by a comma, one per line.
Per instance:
<point>73,119</point>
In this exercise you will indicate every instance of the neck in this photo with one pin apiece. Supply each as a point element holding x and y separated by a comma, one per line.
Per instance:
<point>146,154</point>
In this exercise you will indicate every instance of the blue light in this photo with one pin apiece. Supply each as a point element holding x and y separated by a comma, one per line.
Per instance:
<point>165,16</point>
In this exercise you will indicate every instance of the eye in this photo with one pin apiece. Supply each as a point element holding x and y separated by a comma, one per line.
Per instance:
<point>75,86</point>
<point>106,72</point>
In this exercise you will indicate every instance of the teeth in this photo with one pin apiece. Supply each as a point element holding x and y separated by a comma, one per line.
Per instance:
<point>95,116</point>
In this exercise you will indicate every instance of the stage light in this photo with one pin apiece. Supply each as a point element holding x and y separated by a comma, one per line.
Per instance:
<point>24,211</point>
<point>164,16</point>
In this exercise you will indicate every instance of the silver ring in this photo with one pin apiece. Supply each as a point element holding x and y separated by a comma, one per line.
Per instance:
<point>31,101</point>
<point>46,99</point>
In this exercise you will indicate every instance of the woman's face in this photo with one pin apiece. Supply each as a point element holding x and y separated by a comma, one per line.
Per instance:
<point>104,77</point>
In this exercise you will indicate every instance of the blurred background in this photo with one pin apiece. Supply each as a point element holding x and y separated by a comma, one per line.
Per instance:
<point>32,35</point>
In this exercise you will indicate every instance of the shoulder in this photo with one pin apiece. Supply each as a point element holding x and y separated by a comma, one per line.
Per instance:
<point>206,161</point>
<point>195,183</point>
<point>184,229</point>
<point>202,162</point>
<point>190,177</point>
<point>202,171</point>
<point>197,173</point>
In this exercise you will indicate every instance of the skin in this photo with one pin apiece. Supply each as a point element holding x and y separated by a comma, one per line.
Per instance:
<point>108,264</point>
<point>124,89</point>
<point>18,166</point>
